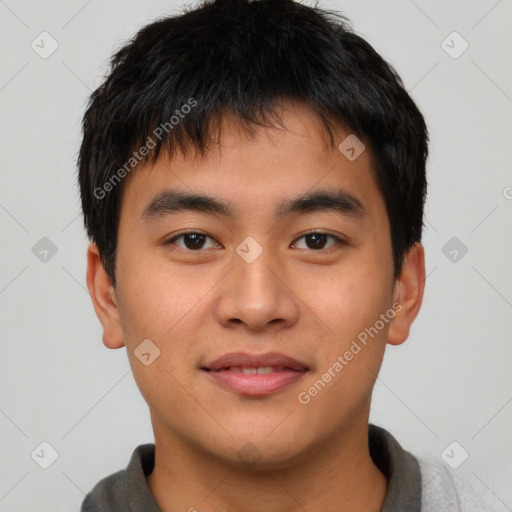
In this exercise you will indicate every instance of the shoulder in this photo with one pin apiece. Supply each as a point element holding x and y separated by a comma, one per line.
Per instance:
<point>127,489</point>
<point>107,491</point>
<point>451,490</point>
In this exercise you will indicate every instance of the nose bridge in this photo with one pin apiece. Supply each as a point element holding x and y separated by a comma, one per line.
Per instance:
<point>255,283</point>
<point>254,292</point>
<point>253,269</point>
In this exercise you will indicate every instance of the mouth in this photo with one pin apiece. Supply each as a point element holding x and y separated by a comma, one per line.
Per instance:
<point>255,375</point>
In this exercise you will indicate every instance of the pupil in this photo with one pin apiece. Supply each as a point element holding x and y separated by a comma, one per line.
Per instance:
<point>196,240</point>
<point>317,237</point>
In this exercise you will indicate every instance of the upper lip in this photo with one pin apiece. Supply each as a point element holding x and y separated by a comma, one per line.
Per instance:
<point>246,360</point>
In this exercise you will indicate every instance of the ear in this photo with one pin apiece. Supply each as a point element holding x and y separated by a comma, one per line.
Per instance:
<point>104,299</point>
<point>408,293</point>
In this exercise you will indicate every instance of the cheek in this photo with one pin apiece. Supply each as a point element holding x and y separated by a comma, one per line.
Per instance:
<point>158,298</point>
<point>349,300</point>
<point>164,304</point>
<point>164,308</point>
<point>346,298</point>
<point>349,357</point>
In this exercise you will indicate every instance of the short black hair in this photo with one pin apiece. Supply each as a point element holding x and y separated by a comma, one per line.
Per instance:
<point>167,87</point>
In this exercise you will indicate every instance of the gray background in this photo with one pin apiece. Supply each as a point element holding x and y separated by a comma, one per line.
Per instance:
<point>451,381</point>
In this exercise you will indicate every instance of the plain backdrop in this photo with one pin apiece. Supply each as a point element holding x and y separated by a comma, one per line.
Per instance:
<point>450,382</point>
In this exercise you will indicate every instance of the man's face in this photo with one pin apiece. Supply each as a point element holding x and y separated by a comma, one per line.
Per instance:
<point>282,290</point>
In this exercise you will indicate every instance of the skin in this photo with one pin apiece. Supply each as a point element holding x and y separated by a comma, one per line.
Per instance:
<point>305,302</point>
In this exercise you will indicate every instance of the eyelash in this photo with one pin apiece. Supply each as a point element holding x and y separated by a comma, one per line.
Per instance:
<point>180,235</point>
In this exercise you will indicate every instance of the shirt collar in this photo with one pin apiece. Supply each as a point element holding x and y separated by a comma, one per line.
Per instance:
<point>399,466</point>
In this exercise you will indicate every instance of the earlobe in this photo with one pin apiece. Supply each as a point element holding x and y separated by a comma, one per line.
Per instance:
<point>104,299</point>
<point>408,294</point>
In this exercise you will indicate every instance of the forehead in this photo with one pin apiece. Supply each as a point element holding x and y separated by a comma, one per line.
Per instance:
<point>260,167</point>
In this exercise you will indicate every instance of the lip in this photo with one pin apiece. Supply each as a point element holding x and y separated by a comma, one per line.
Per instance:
<point>254,360</point>
<point>289,372</point>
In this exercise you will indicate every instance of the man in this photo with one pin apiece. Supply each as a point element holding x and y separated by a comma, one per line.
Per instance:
<point>252,178</point>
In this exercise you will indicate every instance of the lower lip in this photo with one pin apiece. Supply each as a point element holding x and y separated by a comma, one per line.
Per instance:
<point>257,383</point>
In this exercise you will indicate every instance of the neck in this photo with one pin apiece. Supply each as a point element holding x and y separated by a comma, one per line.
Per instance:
<point>336,475</point>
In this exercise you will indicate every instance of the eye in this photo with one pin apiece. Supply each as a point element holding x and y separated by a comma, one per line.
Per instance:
<point>318,240</point>
<point>193,240</point>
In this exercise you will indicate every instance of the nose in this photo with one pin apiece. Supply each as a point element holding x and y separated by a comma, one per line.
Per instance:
<point>257,294</point>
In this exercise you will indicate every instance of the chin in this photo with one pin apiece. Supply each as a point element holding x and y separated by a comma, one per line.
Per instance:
<point>263,450</point>
<point>260,458</point>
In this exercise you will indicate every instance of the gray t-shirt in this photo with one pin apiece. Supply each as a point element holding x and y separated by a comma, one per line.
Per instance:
<point>128,491</point>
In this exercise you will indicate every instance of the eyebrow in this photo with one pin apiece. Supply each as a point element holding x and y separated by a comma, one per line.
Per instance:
<point>170,202</point>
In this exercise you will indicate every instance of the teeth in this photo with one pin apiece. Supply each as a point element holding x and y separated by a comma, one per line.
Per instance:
<point>252,371</point>
<point>265,369</point>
